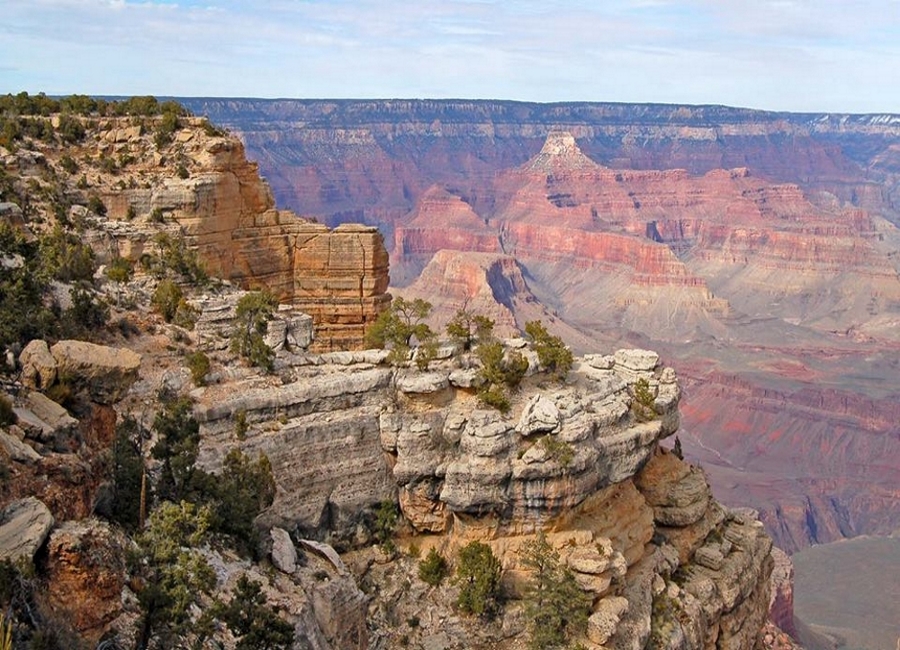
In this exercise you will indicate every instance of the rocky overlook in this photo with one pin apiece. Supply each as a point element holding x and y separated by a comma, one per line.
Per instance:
<point>148,497</point>
<point>756,250</point>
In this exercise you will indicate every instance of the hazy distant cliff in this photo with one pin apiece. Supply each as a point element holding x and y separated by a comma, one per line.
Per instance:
<point>316,152</point>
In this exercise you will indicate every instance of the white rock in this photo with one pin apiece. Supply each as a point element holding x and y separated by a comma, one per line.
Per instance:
<point>24,526</point>
<point>422,382</point>
<point>539,416</point>
<point>18,450</point>
<point>603,622</point>
<point>636,359</point>
<point>284,554</point>
<point>38,365</point>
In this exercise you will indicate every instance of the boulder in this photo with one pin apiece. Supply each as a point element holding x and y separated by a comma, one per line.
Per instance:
<point>43,419</point>
<point>466,378</point>
<point>106,372</point>
<point>709,557</point>
<point>24,526</point>
<point>18,450</point>
<point>603,622</point>
<point>38,365</point>
<point>645,360</point>
<point>86,563</point>
<point>539,416</point>
<point>422,382</point>
<point>284,554</point>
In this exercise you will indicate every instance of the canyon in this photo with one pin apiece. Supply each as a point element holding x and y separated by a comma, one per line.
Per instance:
<point>347,434</point>
<point>757,251</point>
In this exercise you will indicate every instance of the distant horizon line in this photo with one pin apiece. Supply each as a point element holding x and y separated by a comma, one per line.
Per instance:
<point>705,105</point>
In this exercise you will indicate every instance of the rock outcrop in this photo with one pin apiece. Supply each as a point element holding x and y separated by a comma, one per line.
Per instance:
<point>106,373</point>
<point>86,573</point>
<point>637,526</point>
<point>224,209</point>
<point>24,526</point>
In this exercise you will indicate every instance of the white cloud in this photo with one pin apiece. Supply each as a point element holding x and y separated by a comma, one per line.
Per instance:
<point>783,54</point>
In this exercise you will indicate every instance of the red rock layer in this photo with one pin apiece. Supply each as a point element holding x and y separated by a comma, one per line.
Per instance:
<point>340,277</point>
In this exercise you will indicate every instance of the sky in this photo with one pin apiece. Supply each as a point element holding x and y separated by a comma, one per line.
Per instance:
<point>792,55</point>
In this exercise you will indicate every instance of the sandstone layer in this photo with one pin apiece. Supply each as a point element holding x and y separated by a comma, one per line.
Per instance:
<point>219,203</point>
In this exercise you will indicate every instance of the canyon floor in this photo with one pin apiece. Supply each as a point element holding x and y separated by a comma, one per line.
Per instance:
<point>849,592</point>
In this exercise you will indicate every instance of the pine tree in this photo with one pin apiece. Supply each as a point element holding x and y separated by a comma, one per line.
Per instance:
<point>555,605</point>
<point>478,576</point>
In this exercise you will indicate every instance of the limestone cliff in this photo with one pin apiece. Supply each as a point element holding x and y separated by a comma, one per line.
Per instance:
<point>666,566</point>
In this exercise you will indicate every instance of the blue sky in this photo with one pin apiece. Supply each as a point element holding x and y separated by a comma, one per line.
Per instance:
<point>800,55</point>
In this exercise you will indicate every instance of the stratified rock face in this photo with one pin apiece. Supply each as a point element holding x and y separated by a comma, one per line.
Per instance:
<point>781,607</point>
<point>573,459</point>
<point>341,279</point>
<point>734,239</point>
<point>227,212</point>
<point>338,277</point>
<point>375,158</point>
<point>486,283</point>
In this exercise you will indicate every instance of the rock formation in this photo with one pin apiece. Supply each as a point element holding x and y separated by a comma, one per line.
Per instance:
<point>224,209</point>
<point>637,526</point>
<point>766,263</point>
<point>24,526</point>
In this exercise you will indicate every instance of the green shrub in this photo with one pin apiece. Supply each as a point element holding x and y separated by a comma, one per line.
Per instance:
<point>386,519</point>
<point>253,313</point>
<point>70,129</point>
<point>96,205</point>
<point>186,315</point>
<point>175,257</point>
<point>86,317</point>
<point>129,489</point>
<point>65,257</point>
<point>552,352</point>
<point>120,269</point>
<point>243,490</point>
<point>68,164</point>
<point>256,626</point>
<point>182,172</point>
<point>499,370</point>
<point>478,577</point>
<point>559,450</point>
<point>467,329</point>
<point>210,129</point>
<point>171,574</point>
<point>198,364</point>
<point>166,298</point>
<point>433,569</point>
<point>399,327</point>
<point>642,401</point>
<point>240,424</point>
<point>555,606</point>
<point>495,397</point>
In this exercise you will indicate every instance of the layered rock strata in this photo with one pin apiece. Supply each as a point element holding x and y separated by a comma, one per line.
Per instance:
<point>638,527</point>
<point>203,187</point>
